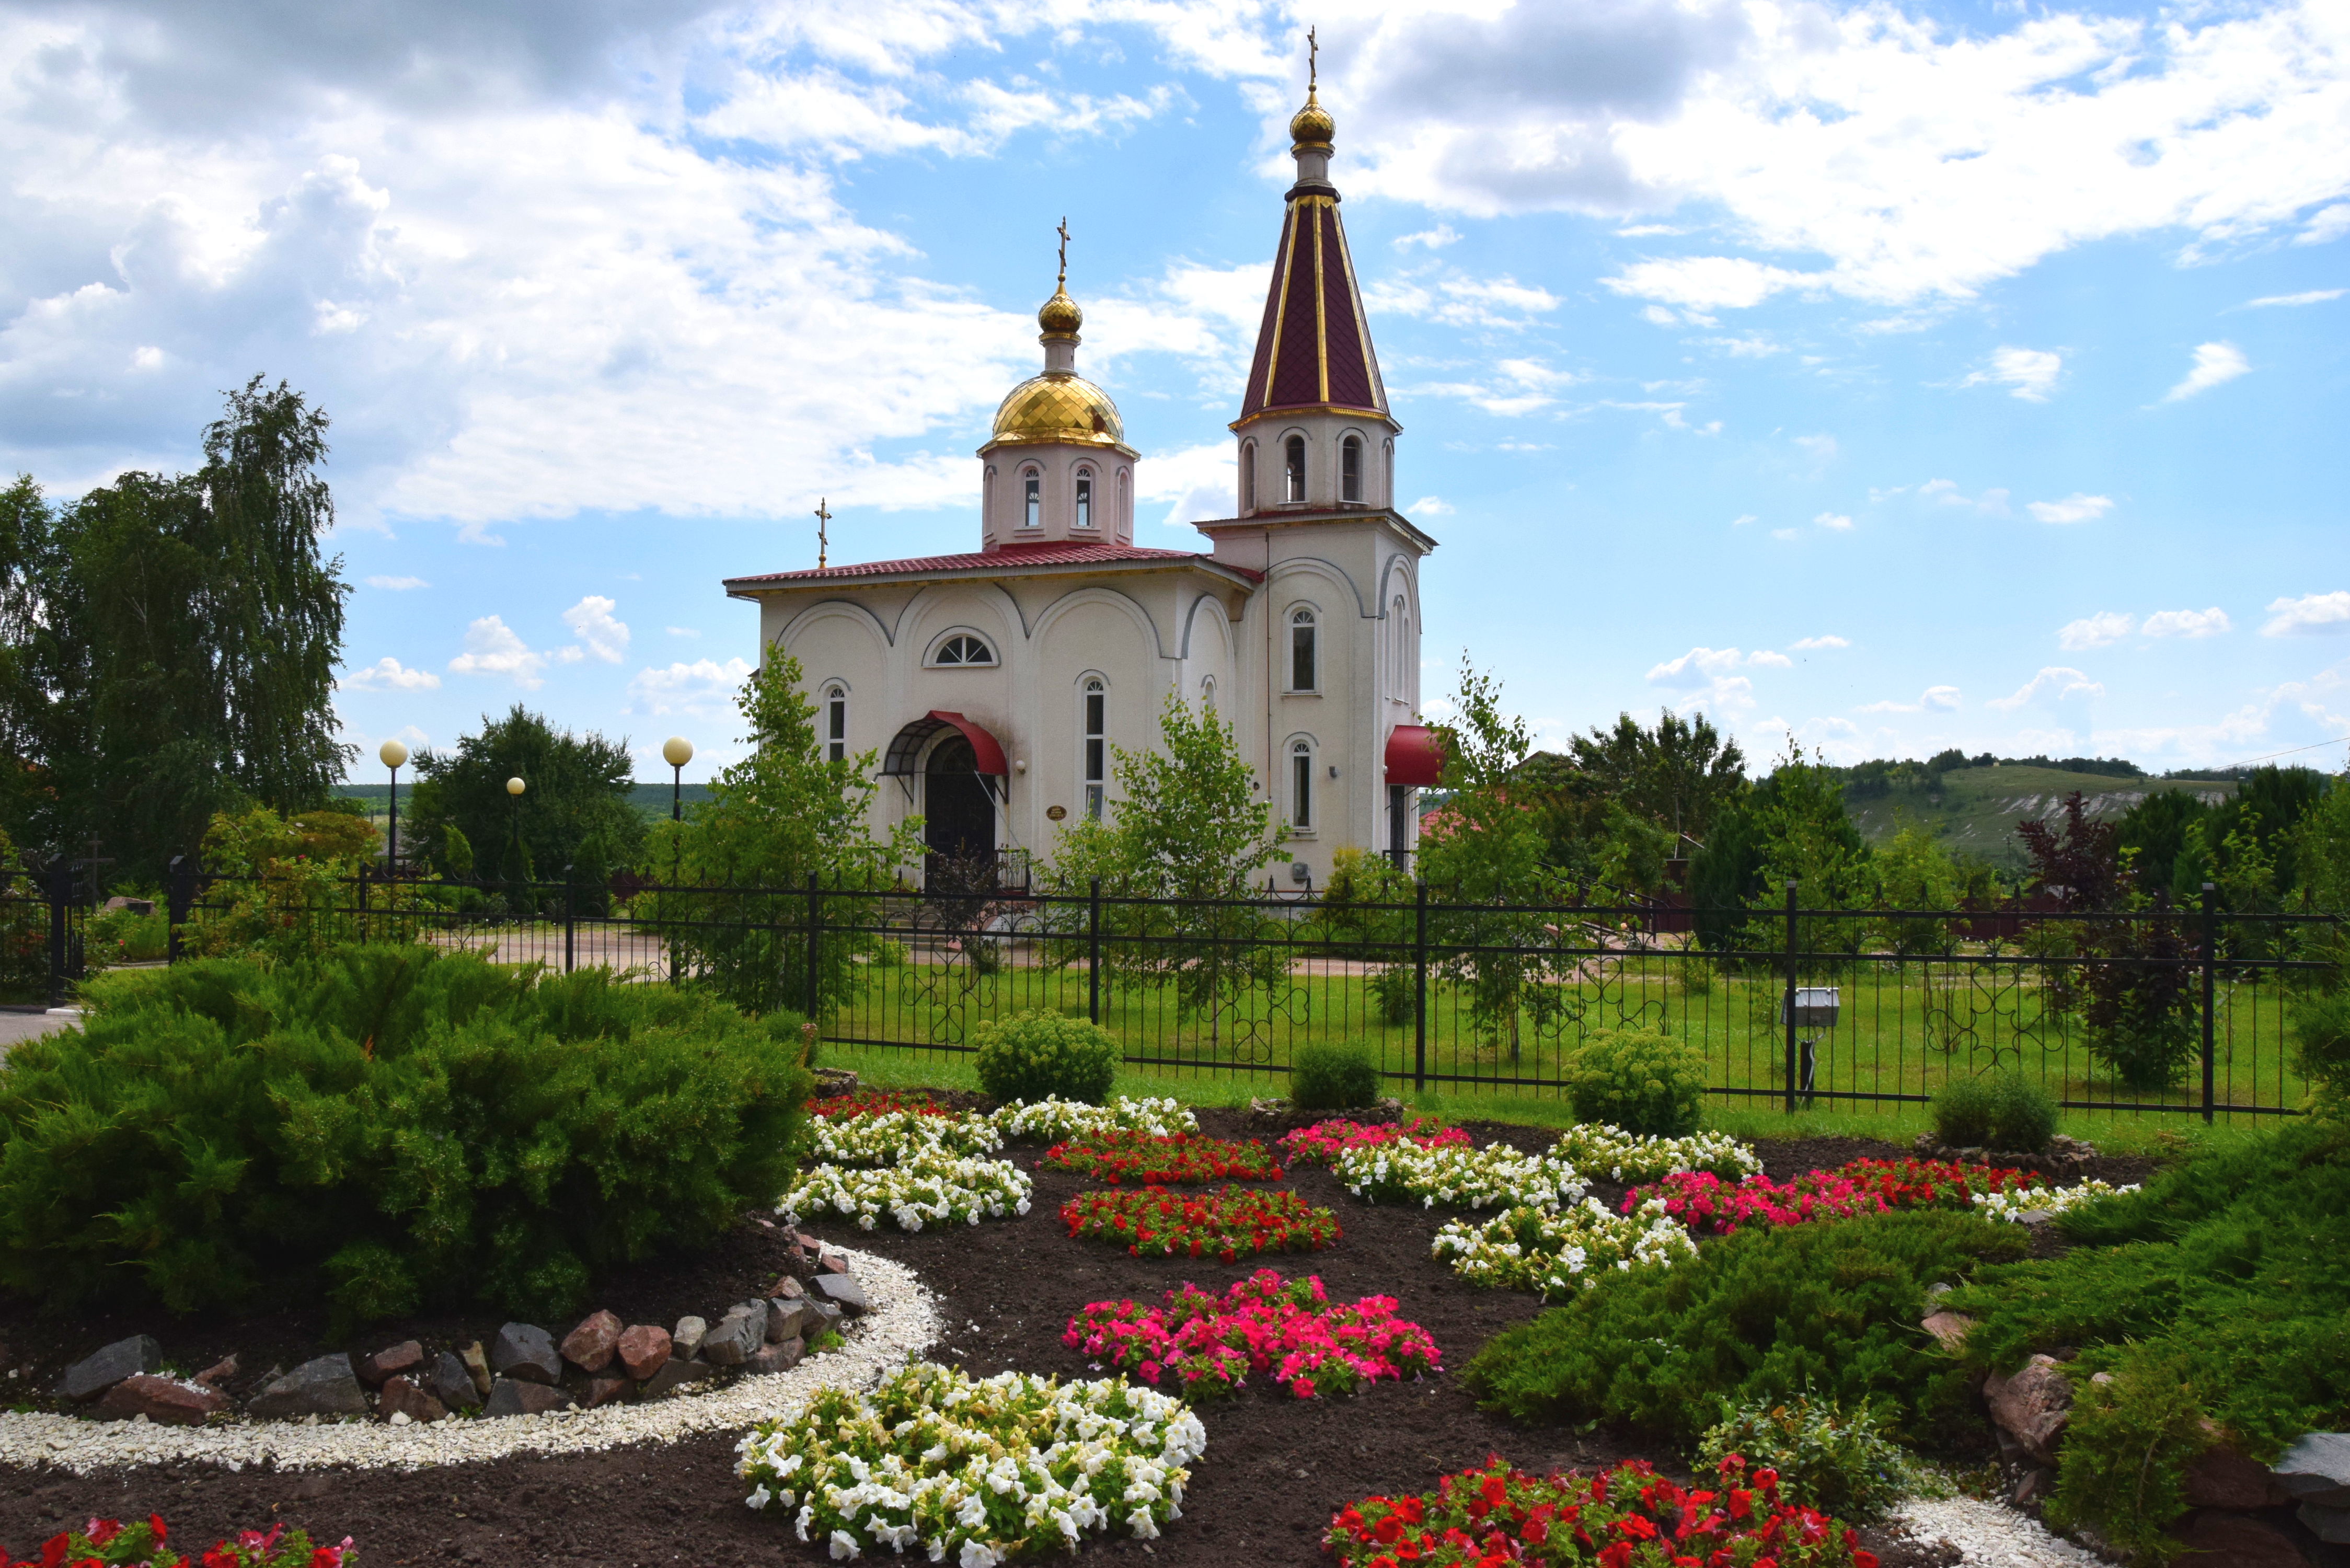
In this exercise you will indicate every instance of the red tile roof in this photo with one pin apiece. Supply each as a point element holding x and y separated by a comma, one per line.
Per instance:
<point>1010,558</point>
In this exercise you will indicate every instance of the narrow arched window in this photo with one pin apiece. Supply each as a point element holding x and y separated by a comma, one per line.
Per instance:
<point>1033,487</point>
<point>1401,615</point>
<point>1293,465</point>
<point>1096,759</point>
<point>1124,503</point>
<point>1248,477</point>
<point>1084,518</point>
<point>835,723</point>
<point>1301,650</point>
<point>1350,469</point>
<point>1301,787</point>
<point>1208,694</point>
<point>987,498</point>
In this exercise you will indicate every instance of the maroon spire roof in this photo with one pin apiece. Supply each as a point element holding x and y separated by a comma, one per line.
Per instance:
<point>1314,349</point>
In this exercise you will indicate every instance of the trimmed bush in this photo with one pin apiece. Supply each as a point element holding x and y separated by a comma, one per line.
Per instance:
<point>2022,1115</point>
<point>1043,1055</point>
<point>1642,1080</point>
<point>1837,1463</point>
<point>1328,1078</point>
<point>385,1127</point>
<point>1820,1311</point>
<point>1962,1112</point>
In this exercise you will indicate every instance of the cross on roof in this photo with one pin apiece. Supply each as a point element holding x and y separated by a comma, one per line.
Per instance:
<point>1313,60</point>
<point>1063,232</point>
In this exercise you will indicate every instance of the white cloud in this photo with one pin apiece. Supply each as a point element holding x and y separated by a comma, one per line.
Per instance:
<point>397,584</point>
<point>2073,508</point>
<point>1784,534</point>
<point>682,631</point>
<point>1197,483</point>
<point>2055,682</point>
<point>1946,492</point>
<point>2312,296</point>
<point>704,688</point>
<point>1706,671</point>
<point>2215,365</point>
<point>1434,238</point>
<point>2327,226</point>
<point>1742,520</point>
<point>387,674</point>
<point>1766,656</point>
<point>1456,301</point>
<point>493,649</point>
<point>1835,520</point>
<point>1431,506</point>
<point>2100,630</point>
<point>1890,707</point>
<point>1940,699</point>
<point>2186,623</point>
<point>1707,283</point>
<point>1829,639</point>
<point>592,621</point>
<point>2032,372</point>
<point>2322,613</point>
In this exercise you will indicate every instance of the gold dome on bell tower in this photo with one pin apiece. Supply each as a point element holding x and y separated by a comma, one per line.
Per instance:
<point>1060,406</point>
<point>1312,128</point>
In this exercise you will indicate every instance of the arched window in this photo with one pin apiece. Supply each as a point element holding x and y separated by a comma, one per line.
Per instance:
<point>1248,477</point>
<point>1208,694</point>
<point>1084,518</point>
<point>1293,465</point>
<point>1387,472</point>
<point>1350,469</point>
<point>1301,650</point>
<point>963,650</point>
<point>1124,503</point>
<point>987,497</point>
<point>836,723</point>
<point>1094,763</point>
<point>1301,786</point>
<point>1032,484</point>
<point>1399,615</point>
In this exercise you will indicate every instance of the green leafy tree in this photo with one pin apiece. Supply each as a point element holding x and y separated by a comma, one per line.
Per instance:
<point>1676,775</point>
<point>1189,824</point>
<point>575,788</point>
<point>1794,827</point>
<point>1914,872</point>
<point>734,911</point>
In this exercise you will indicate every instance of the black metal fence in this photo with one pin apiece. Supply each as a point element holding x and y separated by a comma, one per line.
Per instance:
<point>2155,1012</point>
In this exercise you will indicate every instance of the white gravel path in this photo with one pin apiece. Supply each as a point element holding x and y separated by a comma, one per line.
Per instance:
<point>904,1322</point>
<point>1988,1535</point>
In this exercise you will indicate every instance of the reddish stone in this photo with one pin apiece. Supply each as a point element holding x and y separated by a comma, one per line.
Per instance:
<point>2032,1406</point>
<point>160,1399</point>
<point>832,1263</point>
<point>385,1364</point>
<point>789,1288</point>
<point>644,1349</point>
<point>589,1346</point>
<point>218,1373</point>
<point>779,1356</point>
<point>604,1390</point>
<point>2218,1539</point>
<point>1949,1328</point>
<point>2219,1477</point>
<point>401,1397</point>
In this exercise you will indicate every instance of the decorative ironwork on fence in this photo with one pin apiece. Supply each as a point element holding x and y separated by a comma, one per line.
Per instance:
<point>2156,1012</point>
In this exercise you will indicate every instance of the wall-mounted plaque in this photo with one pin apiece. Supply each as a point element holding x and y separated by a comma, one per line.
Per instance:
<point>1055,813</point>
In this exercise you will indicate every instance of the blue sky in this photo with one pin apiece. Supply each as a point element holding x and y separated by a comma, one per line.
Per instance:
<point>1893,377</point>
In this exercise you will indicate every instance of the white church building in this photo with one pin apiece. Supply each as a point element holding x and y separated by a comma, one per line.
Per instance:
<point>991,685</point>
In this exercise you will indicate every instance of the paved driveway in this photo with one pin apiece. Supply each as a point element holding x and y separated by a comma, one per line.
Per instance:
<point>16,1026</point>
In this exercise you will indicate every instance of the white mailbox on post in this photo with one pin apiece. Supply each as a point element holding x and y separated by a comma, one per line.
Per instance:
<point>1815,1007</point>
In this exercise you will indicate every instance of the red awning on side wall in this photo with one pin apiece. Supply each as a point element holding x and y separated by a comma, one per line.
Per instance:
<point>1415,756</point>
<point>906,744</point>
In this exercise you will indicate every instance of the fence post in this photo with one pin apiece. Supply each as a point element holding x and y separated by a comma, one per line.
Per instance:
<point>1420,991</point>
<point>60,889</point>
<point>814,910</point>
<point>1093,954</point>
<point>1790,1003</point>
<point>570,918</point>
<point>2210,954</point>
<point>180,885</point>
<point>364,932</point>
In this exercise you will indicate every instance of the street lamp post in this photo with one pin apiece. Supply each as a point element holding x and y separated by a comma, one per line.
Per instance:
<point>677,750</point>
<point>515,786</point>
<point>393,753</point>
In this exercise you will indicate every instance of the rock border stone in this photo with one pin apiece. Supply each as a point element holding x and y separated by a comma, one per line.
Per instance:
<point>1276,1116</point>
<point>903,1322</point>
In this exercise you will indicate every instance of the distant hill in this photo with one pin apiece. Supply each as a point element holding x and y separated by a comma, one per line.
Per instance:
<point>1975,809</point>
<point>649,799</point>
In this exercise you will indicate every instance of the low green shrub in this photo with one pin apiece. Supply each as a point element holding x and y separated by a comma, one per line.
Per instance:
<point>1642,1080</point>
<point>2006,1112</point>
<point>385,1126</point>
<point>1332,1077</point>
<point>1043,1055</point>
<point>1962,1112</point>
<point>2321,1034</point>
<point>1827,1311</point>
<point>1837,1463</point>
<point>2220,1291</point>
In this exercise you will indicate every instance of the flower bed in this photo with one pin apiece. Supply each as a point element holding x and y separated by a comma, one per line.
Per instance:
<point>974,1473</point>
<point>930,1186</point>
<point>1496,1176</point>
<point>894,1137</point>
<point>1555,1251</point>
<point>1597,1148</point>
<point>1705,1203</point>
<point>1210,1344</point>
<point>1324,1142</point>
<point>110,1543</point>
<point>1057,1121</point>
<point>2014,1204</point>
<point>1629,1517</point>
<point>1228,1223</point>
<point>875,1103</point>
<point>1180,1158</point>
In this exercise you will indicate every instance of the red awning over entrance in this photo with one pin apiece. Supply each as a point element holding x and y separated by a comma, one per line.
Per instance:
<point>1415,756</point>
<point>906,744</point>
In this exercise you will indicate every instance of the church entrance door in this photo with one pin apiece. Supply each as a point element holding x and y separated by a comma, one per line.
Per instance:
<point>958,816</point>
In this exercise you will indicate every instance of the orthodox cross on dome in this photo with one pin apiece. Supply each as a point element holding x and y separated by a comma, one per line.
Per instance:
<point>1061,282</point>
<point>1313,59</point>
<point>822,518</point>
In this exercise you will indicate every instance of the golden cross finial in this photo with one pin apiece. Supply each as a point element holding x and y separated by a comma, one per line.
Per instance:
<point>822,517</point>
<point>1061,282</point>
<point>1313,62</point>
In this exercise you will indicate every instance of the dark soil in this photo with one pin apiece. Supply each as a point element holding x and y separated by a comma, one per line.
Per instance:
<point>1275,1468</point>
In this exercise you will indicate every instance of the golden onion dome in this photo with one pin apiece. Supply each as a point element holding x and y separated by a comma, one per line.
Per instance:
<point>1311,126</point>
<point>1059,316</point>
<point>1059,406</point>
